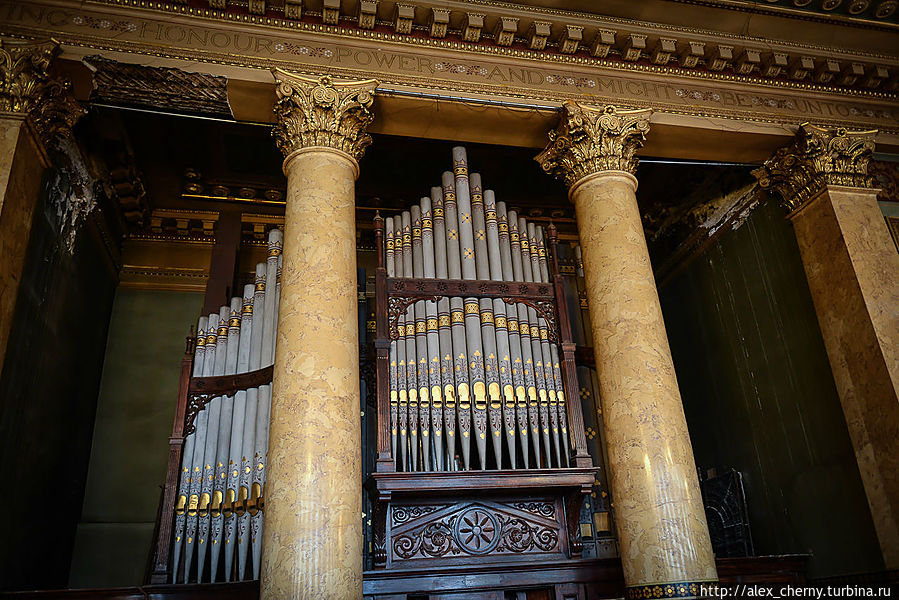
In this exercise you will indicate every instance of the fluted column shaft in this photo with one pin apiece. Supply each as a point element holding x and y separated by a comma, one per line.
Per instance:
<point>659,515</point>
<point>851,264</point>
<point>312,542</point>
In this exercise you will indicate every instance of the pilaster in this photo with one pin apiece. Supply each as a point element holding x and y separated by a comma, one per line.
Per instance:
<point>851,263</point>
<point>36,110</point>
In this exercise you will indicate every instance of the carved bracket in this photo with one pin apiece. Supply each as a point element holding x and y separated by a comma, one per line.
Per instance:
<point>396,307</point>
<point>202,390</point>
<point>546,309</point>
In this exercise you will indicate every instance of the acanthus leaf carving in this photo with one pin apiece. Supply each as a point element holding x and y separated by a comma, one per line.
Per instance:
<point>25,73</point>
<point>322,112</point>
<point>27,87</point>
<point>591,139</point>
<point>817,157</point>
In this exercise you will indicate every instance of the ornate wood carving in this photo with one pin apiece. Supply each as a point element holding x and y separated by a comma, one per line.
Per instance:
<point>478,528</point>
<point>202,390</point>
<point>469,288</point>
<point>403,292</point>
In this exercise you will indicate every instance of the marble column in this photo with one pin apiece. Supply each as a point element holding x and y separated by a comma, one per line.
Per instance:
<point>663,537</point>
<point>312,541</point>
<point>35,109</point>
<point>852,269</point>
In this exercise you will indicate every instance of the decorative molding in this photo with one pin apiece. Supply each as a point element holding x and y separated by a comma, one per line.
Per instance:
<point>817,157</point>
<point>507,72</point>
<point>322,112</point>
<point>590,139</point>
<point>674,589</point>
<point>475,529</point>
<point>161,88</point>
<point>537,26</point>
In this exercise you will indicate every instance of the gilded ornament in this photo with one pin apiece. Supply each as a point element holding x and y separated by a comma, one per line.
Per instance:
<point>590,139</point>
<point>321,112</point>
<point>25,67</point>
<point>818,157</point>
<point>28,88</point>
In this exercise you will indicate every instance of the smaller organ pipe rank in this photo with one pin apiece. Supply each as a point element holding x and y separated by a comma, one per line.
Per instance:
<point>187,456</point>
<point>483,367</point>
<point>218,515</point>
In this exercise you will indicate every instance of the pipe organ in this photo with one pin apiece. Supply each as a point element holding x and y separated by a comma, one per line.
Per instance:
<point>487,364</point>
<point>481,453</point>
<point>218,513</point>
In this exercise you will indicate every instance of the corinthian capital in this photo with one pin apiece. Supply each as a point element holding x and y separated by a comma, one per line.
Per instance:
<point>817,157</point>
<point>24,67</point>
<point>590,139</point>
<point>28,88</point>
<point>322,112</point>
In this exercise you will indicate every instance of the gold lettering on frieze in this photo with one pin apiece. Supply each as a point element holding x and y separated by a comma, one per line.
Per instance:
<point>363,51</point>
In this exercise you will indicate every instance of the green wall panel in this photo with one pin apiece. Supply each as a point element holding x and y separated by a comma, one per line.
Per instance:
<point>138,391</point>
<point>759,396</point>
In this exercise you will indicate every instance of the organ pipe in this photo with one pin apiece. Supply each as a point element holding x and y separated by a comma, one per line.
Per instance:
<point>219,514</point>
<point>485,367</point>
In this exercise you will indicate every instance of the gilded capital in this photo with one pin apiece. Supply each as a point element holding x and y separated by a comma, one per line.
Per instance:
<point>28,88</point>
<point>590,139</point>
<point>25,70</point>
<point>818,156</point>
<point>323,112</point>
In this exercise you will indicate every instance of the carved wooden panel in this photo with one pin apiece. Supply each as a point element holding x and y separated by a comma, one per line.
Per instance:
<point>492,530</point>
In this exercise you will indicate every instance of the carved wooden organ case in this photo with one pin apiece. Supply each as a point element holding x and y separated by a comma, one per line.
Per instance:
<point>481,453</point>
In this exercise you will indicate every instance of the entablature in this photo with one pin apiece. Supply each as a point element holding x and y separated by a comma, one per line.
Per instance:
<point>419,72</point>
